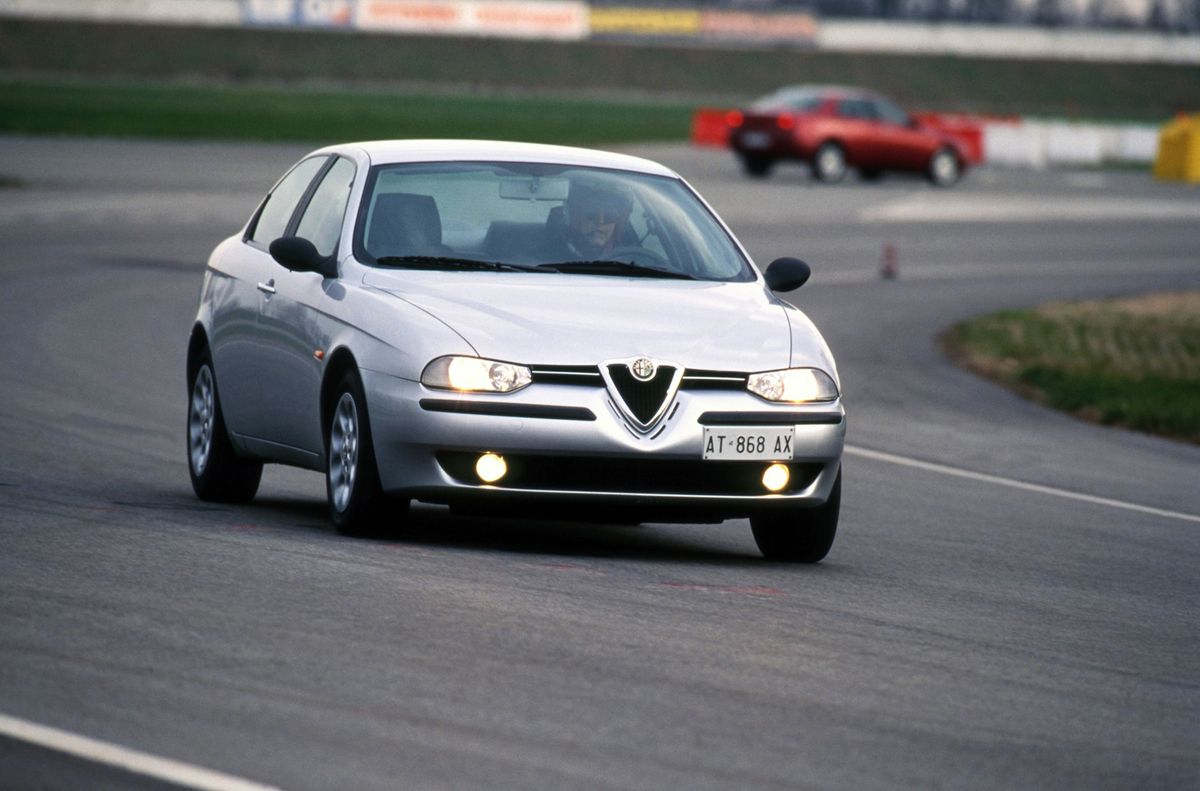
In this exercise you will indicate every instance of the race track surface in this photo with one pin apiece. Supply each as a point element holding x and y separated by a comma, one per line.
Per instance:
<point>1011,602</point>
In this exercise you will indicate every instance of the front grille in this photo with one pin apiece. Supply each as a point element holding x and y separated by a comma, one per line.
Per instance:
<point>643,399</point>
<point>588,375</point>
<point>641,476</point>
<point>697,379</point>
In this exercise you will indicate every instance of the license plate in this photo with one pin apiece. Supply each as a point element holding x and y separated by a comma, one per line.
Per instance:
<point>753,444</point>
<point>756,139</point>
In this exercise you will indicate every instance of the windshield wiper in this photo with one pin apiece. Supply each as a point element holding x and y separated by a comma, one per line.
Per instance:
<point>450,262</point>
<point>606,267</point>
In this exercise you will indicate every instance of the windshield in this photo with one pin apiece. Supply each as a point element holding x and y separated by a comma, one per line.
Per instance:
<point>524,217</point>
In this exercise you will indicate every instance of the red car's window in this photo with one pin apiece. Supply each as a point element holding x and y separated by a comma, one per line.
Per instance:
<point>862,109</point>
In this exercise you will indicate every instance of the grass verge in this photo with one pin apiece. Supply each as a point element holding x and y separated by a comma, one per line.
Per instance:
<point>1128,362</point>
<point>256,113</point>
<point>716,75</point>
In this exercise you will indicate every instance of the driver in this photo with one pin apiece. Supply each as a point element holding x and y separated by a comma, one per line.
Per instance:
<point>596,218</point>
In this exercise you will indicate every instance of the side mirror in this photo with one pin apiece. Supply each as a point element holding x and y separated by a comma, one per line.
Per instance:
<point>299,255</point>
<point>787,274</point>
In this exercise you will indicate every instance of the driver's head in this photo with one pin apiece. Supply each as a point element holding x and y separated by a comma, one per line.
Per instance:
<point>596,214</point>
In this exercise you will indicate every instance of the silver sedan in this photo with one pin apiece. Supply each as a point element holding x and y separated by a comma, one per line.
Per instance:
<point>512,329</point>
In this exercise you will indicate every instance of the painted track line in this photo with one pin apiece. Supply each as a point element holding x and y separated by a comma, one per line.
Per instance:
<point>1053,491</point>
<point>133,761</point>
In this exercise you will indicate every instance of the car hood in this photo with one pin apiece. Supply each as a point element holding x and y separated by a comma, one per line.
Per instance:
<point>582,320</point>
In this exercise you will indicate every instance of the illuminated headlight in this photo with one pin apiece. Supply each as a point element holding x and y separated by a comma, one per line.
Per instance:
<point>794,385</point>
<point>475,374</point>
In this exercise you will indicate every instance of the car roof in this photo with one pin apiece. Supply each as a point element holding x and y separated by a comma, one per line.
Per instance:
<point>827,91</point>
<point>386,152</point>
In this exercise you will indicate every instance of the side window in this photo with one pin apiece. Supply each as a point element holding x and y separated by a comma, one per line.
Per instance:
<point>281,203</point>
<point>891,113</point>
<point>856,108</point>
<point>322,220</point>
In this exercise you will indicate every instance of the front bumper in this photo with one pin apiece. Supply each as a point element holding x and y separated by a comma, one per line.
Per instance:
<point>572,451</point>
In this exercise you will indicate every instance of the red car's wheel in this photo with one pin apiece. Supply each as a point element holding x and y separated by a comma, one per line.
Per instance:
<point>944,169</point>
<point>757,166</point>
<point>829,163</point>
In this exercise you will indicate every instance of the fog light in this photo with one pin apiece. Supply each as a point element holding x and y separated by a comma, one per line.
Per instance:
<point>490,467</point>
<point>776,477</point>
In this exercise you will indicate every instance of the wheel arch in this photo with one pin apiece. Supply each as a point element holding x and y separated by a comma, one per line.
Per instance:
<point>197,343</point>
<point>837,141</point>
<point>341,361</point>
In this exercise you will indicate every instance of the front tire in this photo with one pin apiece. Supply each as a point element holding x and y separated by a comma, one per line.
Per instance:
<point>218,475</point>
<point>944,169</point>
<point>357,504</point>
<point>829,163</point>
<point>799,535</point>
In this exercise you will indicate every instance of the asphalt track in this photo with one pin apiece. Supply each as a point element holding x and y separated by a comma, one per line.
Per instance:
<point>1011,602</point>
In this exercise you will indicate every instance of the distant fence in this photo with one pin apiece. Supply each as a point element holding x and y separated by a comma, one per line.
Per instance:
<point>707,23</point>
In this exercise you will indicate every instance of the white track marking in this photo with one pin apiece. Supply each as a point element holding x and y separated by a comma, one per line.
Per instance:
<point>974,271</point>
<point>133,761</point>
<point>904,461</point>
<point>1030,208</point>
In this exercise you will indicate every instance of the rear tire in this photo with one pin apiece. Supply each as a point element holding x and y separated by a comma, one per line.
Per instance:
<point>218,475</point>
<point>757,166</point>
<point>829,163</point>
<point>799,535</point>
<point>944,168</point>
<point>357,504</point>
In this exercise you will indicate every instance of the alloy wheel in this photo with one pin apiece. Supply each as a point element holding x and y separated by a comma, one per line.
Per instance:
<point>830,163</point>
<point>944,168</point>
<point>200,420</point>
<point>343,452</point>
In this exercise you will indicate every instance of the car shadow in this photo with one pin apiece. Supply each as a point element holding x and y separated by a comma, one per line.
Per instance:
<point>435,527</point>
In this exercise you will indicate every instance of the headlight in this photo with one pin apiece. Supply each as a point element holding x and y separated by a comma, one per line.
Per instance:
<point>794,385</point>
<point>475,374</point>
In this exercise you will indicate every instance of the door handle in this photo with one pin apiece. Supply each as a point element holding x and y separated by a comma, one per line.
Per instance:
<point>268,287</point>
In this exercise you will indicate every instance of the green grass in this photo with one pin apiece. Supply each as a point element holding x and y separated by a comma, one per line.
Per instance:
<point>695,75</point>
<point>183,111</point>
<point>1132,362</point>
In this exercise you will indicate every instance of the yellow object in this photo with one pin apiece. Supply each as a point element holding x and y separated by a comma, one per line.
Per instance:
<point>1178,157</point>
<point>645,21</point>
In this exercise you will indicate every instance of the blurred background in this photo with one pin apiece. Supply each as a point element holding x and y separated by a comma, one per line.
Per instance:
<point>1079,81</point>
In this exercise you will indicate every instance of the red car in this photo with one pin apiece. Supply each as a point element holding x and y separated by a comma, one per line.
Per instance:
<point>834,129</point>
